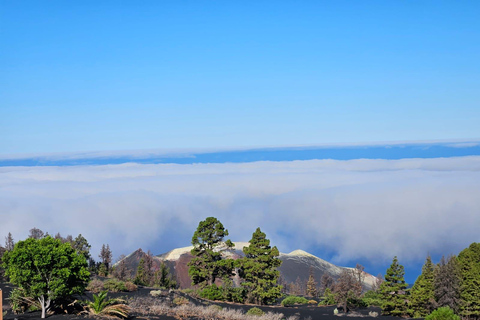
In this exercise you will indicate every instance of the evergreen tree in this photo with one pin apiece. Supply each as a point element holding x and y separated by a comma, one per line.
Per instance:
<point>394,291</point>
<point>164,279</point>
<point>36,233</point>
<point>81,246</point>
<point>259,270</point>
<point>9,243</point>
<point>106,256</point>
<point>422,295</point>
<point>311,285</point>
<point>207,264</point>
<point>447,283</point>
<point>140,278</point>
<point>469,261</point>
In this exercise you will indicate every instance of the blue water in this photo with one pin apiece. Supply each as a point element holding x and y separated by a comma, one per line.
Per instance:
<point>391,152</point>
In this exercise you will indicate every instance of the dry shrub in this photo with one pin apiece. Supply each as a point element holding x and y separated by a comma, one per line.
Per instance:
<point>130,286</point>
<point>95,286</point>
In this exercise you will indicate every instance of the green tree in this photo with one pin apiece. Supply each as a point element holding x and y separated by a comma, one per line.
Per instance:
<point>141,276</point>
<point>422,295</point>
<point>106,256</point>
<point>46,269</point>
<point>81,246</point>
<point>394,291</point>
<point>164,279</point>
<point>259,270</point>
<point>207,264</point>
<point>469,261</point>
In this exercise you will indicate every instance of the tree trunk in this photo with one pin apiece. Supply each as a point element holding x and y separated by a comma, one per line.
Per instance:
<point>45,305</point>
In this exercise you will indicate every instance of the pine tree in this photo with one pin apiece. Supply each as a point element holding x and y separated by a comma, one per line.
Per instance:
<point>311,285</point>
<point>394,291</point>
<point>106,256</point>
<point>259,270</point>
<point>9,243</point>
<point>423,291</point>
<point>81,246</point>
<point>36,233</point>
<point>447,283</point>
<point>469,261</point>
<point>207,264</point>
<point>140,278</point>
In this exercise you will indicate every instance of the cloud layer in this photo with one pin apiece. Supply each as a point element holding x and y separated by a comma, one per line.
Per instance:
<point>357,209</point>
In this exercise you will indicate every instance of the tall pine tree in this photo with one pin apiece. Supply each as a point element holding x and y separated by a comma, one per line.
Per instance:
<point>259,270</point>
<point>469,261</point>
<point>394,291</point>
<point>422,296</point>
<point>207,264</point>
<point>311,285</point>
<point>447,283</point>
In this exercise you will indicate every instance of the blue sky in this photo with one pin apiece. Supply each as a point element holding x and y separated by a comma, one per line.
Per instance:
<point>90,76</point>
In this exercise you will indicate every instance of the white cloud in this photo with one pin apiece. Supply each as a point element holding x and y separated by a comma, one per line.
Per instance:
<point>359,209</point>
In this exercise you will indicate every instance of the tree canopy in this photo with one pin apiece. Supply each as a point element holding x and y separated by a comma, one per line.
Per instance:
<point>394,290</point>
<point>259,270</point>
<point>46,269</point>
<point>207,264</point>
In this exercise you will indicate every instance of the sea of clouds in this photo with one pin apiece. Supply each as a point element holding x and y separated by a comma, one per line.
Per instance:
<point>356,209</point>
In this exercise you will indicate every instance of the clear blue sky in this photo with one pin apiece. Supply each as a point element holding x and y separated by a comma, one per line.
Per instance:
<point>109,75</point>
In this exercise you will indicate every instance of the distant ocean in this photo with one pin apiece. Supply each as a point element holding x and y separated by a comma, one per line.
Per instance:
<point>348,152</point>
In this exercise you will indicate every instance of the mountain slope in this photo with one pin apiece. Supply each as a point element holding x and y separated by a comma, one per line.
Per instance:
<point>295,265</point>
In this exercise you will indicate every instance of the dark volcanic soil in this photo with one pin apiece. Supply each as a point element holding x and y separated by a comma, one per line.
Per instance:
<point>303,312</point>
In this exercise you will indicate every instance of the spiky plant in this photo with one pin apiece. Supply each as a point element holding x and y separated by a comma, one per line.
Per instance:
<point>106,307</point>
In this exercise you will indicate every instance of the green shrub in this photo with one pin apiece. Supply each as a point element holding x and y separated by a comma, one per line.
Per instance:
<point>292,300</point>
<point>20,303</point>
<point>444,313</point>
<point>328,298</point>
<point>114,285</point>
<point>95,286</point>
<point>372,298</point>
<point>212,292</point>
<point>255,312</point>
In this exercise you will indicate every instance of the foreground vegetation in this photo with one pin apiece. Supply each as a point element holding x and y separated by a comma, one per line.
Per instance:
<point>49,271</point>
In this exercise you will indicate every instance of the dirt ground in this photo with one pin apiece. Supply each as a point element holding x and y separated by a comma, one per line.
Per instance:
<point>302,312</point>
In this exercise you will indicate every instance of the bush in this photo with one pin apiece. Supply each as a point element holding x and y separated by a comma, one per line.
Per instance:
<point>215,307</point>
<point>372,298</point>
<point>178,301</point>
<point>444,313</point>
<point>156,293</point>
<point>95,286</point>
<point>212,293</point>
<point>328,298</point>
<point>335,311</point>
<point>255,312</point>
<point>21,303</point>
<point>130,286</point>
<point>292,300</point>
<point>114,285</point>
<point>312,302</point>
